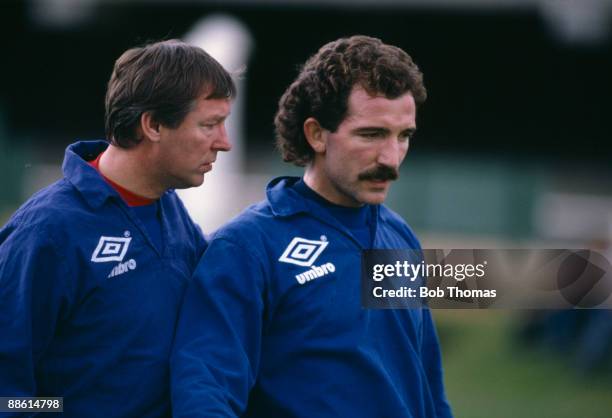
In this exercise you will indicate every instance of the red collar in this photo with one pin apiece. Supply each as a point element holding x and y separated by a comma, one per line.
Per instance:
<point>130,198</point>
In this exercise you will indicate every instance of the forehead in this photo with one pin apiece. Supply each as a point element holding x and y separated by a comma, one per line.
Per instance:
<point>212,107</point>
<point>365,109</point>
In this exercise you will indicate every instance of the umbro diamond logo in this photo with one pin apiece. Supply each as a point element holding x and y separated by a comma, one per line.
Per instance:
<point>303,252</point>
<point>111,249</point>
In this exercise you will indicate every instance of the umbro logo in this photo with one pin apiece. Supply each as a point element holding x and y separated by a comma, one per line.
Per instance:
<point>111,248</point>
<point>303,252</point>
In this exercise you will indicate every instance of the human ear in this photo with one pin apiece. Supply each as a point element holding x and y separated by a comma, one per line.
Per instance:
<point>316,135</point>
<point>150,127</point>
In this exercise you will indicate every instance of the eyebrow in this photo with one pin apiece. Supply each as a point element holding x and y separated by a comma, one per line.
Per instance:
<point>217,118</point>
<point>377,129</point>
<point>410,131</point>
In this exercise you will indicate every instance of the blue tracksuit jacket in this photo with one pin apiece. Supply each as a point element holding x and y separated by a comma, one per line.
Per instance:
<point>88,306</point>
<point>272,325</point>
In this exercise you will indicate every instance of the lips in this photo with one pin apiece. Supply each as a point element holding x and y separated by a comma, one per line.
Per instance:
<point>378,182</point>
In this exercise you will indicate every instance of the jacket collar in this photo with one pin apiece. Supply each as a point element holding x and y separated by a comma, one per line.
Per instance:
<point>285,201</point>
<point>84,177</point>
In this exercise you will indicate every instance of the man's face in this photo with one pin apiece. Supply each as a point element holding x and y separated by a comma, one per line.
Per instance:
<point>187,152</point>
<point>363,156</point>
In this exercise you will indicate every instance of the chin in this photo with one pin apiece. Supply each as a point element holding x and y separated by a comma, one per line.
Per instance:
<point>188,183</point>
<point>196,181</point>
<point>373,198</point>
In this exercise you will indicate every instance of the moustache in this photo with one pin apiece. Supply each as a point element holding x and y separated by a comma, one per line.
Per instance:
<point>380,172</point>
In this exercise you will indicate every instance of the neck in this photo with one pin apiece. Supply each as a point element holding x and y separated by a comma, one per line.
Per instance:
<point>321,184</point>
<point>130,168</point>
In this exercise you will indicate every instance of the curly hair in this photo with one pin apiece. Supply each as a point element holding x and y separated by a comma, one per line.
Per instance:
<point>163,78</point>
<point>322,88</point>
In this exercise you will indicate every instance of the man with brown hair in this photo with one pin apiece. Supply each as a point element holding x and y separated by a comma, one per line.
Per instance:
<point>93,268</point>
<point>272,324</point>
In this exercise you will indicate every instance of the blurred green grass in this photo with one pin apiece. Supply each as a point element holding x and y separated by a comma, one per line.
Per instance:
<point>489,374</point>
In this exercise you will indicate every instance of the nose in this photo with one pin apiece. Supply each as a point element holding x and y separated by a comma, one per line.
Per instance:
<point>391,152</point>
<point>222,143</point>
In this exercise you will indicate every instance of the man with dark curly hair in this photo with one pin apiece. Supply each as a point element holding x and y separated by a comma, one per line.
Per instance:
<point>272,324</point>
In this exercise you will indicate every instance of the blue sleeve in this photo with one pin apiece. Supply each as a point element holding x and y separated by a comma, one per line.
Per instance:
<point>33,296</point>
<point>432,362</point>
<point>216,353</point>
